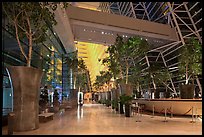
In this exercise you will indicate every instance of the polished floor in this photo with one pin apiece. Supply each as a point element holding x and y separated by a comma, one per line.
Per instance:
<point>97,119</point>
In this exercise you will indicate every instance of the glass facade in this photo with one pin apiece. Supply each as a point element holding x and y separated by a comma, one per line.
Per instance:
<point>46,56</point>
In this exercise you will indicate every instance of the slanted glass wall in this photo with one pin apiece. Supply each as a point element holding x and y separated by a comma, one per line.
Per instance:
<point>46,56</point>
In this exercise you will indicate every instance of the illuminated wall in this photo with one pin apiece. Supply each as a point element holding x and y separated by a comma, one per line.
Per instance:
<point>87,5</point>
<point>91,52</point>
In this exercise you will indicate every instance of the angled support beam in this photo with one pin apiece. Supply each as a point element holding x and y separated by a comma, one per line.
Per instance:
<point>158,56</point>
<point>143,5</point>
<point>157,10</point>
<point>129,7</point>
<point>174,18</point>
<point>123,4</point>
<point>171,46</point>
<point>132,9</point>
<point>118,7</point>
<point>172,50</point>
<point>186,25</point>
<point>153,7</point>
<point>147,61</point>
<point>193,23</point>
<point>193,6</point>
<point>192,34</point>
<point>163,46</point>
<point>199,85</point>
<point>197,13</point>
<point>177,7</point>
<point>169,75</point>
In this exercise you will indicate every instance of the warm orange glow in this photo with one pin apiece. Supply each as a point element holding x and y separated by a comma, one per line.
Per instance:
<point>88,5</point>
<point>91,52</point>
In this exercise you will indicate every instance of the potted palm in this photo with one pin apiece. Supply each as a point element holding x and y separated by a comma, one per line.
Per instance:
<point>28,21</point>
<point>126,100</point>
<point>190,66</point>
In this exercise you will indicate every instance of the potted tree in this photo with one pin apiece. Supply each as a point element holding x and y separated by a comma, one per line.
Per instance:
<point>158,75</point>
<point>122,54</point>
<point>190,66</point>
<point>28,21</point>
<point>126,100</point>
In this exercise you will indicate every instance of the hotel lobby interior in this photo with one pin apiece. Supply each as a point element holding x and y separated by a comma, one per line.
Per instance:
<point>102,68</point>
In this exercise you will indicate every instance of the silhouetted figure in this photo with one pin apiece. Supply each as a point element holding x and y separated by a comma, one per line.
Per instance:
<point>56,98</point>
<point>43,98</point>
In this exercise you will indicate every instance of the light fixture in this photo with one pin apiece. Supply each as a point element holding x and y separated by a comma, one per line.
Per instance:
<point>102,32</point>
<point>173,68</point>
<point>84,29</point>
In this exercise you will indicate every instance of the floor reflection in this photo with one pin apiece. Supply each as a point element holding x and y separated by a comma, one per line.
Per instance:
<point>79,112</point>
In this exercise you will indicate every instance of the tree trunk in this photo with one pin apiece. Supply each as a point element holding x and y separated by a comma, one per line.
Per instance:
<point>127,69</point>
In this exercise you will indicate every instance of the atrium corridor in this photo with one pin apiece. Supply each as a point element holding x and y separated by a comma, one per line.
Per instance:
<point>97,119</point>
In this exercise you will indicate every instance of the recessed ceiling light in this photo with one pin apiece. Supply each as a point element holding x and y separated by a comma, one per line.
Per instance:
<point>84,29</point>
<point>102,32</point>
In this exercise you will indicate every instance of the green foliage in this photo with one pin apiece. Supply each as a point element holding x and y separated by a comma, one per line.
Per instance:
<point>107,102</point>
<point>125,99</point>
<point>159,74</point>
<point>136,78</point>
<point>190,59</point>
<point>29,21</point>
<point>114,103</point>
<point>104,77</point>
<point>122,53</point>
<point>82,74</point>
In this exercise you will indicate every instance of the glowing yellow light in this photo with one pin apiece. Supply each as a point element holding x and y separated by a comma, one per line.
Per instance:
<point>91,52</point>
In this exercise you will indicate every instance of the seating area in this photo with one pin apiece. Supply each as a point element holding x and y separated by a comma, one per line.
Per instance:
<point>45,117</point>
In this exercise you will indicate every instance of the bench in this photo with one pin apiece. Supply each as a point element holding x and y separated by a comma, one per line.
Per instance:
<point>45,117</point>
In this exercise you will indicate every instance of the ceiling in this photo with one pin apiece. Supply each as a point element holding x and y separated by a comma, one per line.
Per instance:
<point>107,37</point>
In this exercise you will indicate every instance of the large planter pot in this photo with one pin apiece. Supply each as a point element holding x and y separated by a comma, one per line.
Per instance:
<point>127,110</point>
<point>127,89</point>
<point>26,89</point>
<point>121,108</point>
<point>187,91</point>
